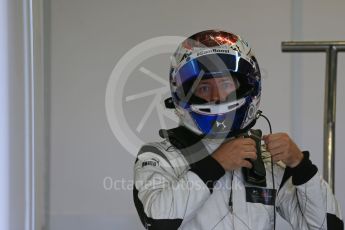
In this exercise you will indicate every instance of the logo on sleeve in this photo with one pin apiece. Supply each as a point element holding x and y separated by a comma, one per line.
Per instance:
<point>152,162</point>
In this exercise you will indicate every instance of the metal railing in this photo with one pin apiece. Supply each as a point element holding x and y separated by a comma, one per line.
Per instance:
<point>331,48</point>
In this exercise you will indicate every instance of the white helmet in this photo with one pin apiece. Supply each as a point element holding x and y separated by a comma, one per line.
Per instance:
<point>213,54</point>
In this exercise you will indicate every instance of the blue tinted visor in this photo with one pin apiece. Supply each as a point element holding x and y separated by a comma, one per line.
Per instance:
<point>212,65</point>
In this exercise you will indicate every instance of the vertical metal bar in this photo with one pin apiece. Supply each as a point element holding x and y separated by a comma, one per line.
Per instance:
<point>29,117</point>
<point>329,115</point>
<point>4,116</point>
<point>331,48</point>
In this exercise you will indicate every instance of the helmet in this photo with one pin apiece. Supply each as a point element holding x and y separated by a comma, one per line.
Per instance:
<point>215,55</point>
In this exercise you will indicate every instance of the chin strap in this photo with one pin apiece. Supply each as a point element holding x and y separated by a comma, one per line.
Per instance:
<point>245,130</point>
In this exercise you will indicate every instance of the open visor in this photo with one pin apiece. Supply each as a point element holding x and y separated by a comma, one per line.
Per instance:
<point>217,72</point>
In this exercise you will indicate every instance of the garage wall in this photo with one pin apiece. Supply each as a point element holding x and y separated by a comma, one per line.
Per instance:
<point>89,168</point>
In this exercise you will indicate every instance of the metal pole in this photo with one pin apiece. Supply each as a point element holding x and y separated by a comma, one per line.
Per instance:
<point>331,48</point>
<point>329,115</point>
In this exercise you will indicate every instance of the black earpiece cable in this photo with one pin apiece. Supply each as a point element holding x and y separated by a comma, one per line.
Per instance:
<point>258,115</point>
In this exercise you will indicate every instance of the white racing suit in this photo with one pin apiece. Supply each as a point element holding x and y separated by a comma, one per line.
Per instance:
<point>172,193</point>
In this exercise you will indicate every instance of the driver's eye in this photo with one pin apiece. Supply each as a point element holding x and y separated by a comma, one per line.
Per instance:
<point>226,85</point>
<point>203,89</point>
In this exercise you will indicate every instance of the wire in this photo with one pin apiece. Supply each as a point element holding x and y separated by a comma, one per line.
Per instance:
<point>258,115</point>
<point>230,198</point>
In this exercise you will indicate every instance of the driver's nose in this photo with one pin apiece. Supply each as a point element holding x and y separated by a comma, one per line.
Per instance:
<point>215,95</point>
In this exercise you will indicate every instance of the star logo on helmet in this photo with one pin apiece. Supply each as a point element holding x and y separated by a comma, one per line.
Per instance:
<point>218,124</point>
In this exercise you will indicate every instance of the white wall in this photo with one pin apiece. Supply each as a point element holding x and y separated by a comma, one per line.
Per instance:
<point>85,40</point>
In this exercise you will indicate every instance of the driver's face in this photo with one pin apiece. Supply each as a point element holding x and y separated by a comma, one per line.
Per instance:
<point>216,89</point>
